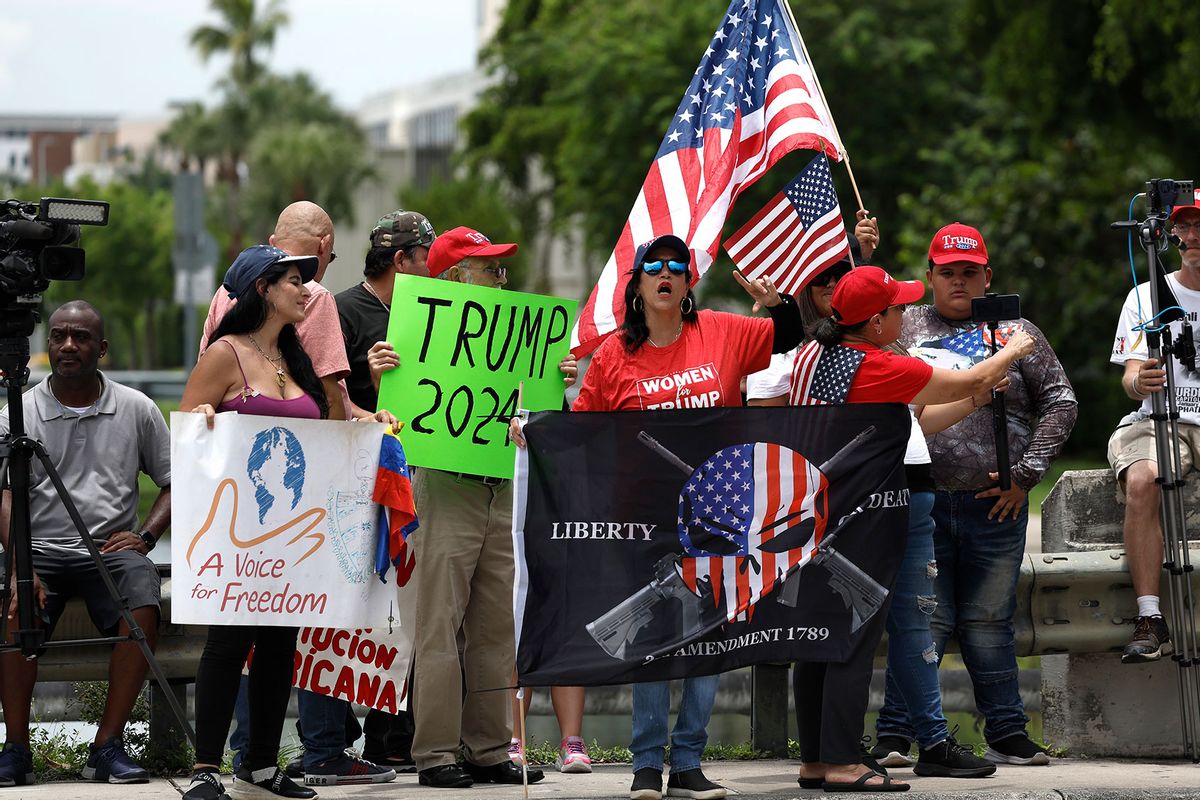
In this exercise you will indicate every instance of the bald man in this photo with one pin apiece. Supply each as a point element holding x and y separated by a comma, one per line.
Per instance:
<point>304,229</point>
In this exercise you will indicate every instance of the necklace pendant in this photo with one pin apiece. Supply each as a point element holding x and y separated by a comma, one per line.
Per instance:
<point>279,376</point>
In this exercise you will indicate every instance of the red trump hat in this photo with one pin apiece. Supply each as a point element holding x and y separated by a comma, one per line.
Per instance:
<point>455,245</point>
<point>958,242</point>
<point>867,291</point>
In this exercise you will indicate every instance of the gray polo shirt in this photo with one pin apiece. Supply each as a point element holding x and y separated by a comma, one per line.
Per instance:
<point>99,453</point>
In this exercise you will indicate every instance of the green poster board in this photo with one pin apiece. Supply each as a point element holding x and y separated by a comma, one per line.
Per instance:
<point>463,352</point>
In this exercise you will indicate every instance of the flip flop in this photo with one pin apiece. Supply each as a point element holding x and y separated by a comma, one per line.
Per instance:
<point>861,784</point>
<point>810,783</point>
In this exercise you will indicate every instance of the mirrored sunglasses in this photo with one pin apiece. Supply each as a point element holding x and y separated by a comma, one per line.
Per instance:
<point>654,267</point>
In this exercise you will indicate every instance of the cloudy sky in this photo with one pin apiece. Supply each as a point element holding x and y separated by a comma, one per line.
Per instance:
<point>131,57</point>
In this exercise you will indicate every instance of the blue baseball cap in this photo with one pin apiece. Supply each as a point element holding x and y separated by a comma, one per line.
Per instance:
<point>252,262</point>
<point>666,240</point>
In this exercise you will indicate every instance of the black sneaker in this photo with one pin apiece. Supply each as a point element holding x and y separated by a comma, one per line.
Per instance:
<point>1017,749</point>
<point>647,784</point>
<point>295,767</point>
<point>109,763</point>
<point>1151,641</point>
<point>16,765</point>
<point>892,751</point>
<point>205,785</point>
<point>692,783</point>
<point>346,770</point>
<point>949,759</point>
<point>267,783</point>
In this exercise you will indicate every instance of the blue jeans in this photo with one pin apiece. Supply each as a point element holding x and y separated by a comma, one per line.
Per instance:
<point>322,726</point>
<point>979,561</point>
<point>652,705</point>
<point>239,740</point>
<point>912,658</point>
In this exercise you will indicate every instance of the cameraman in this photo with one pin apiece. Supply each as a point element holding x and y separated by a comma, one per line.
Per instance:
<point>1131,447</point>
<point>99,434</point>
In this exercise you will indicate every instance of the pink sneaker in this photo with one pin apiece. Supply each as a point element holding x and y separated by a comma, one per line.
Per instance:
<point>573,756</point>
<point>516,752</point>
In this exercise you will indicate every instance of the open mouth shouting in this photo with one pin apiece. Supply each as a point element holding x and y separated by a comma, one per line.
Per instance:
<point>664,287</point>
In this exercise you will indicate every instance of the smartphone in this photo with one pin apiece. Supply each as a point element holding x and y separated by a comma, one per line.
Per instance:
<point>994,307</point>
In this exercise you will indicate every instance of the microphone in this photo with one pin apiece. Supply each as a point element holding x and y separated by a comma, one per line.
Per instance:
<point>27,229</point>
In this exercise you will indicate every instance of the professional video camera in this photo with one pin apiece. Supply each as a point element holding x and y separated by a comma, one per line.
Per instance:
<point>36,248</point>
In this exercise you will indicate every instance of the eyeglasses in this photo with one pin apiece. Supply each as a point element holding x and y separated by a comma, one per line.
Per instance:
<point>830,277</point>
<point>652,268</point>
<point>1186,227</point>
<point>495,270</point>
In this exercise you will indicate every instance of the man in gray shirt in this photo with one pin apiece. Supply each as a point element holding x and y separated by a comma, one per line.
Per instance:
<point>99,435</point>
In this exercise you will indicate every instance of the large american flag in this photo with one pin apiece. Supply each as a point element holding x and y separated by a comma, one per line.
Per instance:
<point>726,513</point>
<point>797,235</point>
<point>822,375</point>
<point>753,99</point>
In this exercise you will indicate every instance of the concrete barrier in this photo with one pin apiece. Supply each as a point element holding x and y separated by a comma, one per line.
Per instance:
<point>1091,703</point>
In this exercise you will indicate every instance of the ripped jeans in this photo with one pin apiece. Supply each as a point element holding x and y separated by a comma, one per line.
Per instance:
<point>912,707</point>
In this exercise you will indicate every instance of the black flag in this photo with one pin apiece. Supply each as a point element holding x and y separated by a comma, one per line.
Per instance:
<point>662,544</point>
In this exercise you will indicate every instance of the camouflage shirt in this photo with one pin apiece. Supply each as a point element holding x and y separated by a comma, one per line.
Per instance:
<point>1040,403</point>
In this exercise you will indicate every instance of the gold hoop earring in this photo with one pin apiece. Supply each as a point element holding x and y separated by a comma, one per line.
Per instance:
<point>691,305</point>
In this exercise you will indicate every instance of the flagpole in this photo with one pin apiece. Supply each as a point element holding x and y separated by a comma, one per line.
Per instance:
<point>524,742</point>
<point>845,154</point>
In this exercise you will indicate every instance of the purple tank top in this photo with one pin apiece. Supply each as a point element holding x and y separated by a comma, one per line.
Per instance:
<point>302,407</point>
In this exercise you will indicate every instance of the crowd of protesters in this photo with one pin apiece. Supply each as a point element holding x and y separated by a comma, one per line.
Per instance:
<point>278,344</point>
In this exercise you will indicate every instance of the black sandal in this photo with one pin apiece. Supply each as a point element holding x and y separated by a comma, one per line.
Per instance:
<point>861,784</point>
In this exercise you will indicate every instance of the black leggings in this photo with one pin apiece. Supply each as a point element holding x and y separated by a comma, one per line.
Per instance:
<point>832,699</point>
<point>270,686</point>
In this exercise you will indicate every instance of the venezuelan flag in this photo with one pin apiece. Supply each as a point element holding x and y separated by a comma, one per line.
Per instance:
<point>393,493</point>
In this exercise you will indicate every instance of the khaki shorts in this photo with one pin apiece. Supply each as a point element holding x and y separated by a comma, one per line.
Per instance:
<point>1132,443</point>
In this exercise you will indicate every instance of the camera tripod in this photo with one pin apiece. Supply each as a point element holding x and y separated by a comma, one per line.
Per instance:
<point>17,451</point>
<point>1166,349</point>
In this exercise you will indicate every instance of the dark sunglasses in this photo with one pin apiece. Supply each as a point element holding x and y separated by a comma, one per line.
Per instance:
<point>654,267</point>
<point>830,276</point>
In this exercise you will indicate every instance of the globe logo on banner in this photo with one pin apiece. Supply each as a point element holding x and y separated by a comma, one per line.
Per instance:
<point>749,515</point>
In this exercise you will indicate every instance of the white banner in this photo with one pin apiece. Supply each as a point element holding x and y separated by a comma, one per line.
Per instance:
<point>272,522</point>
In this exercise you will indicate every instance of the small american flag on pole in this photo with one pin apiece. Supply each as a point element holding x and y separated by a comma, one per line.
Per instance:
<point>753,99</point>
<point>797,235</point>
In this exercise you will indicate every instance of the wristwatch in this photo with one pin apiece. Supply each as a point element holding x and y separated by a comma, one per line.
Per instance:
<point>149,539</point>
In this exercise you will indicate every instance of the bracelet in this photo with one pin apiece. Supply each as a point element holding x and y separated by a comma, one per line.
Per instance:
<point>1133,385</point>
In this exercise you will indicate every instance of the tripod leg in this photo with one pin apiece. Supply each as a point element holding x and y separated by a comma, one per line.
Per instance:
<point>135,631</point>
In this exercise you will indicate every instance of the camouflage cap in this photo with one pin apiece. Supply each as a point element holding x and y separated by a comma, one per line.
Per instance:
<point>402,229</point>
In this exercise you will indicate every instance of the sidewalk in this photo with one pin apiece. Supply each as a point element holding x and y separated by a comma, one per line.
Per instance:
<point>1065,779</point>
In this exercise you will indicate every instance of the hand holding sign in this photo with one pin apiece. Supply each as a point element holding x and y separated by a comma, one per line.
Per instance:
<point>460,353</point>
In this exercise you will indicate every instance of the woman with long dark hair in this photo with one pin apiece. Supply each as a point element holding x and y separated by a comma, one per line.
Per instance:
<point>866,309</point>
<point>665,334</point>
<point>254,365</point>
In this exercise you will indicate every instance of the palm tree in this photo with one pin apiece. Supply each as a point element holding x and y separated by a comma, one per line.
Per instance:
<point>242,33</point>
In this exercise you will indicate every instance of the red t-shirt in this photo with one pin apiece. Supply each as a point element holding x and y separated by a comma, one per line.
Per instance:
<point>703,368</point>
<point>885,377</point>
<point>882,376</point>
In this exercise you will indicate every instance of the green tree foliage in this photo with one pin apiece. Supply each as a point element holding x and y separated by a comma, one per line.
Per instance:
<point>242,33</point>
<point>1034,121</point>
<point>282,131</point>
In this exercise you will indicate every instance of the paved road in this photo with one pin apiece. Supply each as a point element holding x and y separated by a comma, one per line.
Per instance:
<point>1065,779</point>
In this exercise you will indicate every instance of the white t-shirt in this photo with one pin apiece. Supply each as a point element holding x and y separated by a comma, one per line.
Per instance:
<point>776,379</point>
<point>1130,343</point>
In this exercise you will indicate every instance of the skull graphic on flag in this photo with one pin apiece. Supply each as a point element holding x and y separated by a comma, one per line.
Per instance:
<point>749,515</point>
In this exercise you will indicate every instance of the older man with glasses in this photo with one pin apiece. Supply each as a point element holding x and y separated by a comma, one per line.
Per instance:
<point>1131,449</point>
